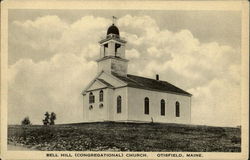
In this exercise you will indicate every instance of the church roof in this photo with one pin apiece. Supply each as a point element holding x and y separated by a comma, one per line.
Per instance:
<point>150,84</point>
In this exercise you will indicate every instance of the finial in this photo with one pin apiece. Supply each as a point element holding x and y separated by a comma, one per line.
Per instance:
<point>114,19</point>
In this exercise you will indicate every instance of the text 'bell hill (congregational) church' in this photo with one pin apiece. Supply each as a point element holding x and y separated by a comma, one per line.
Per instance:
<point>116,96</point>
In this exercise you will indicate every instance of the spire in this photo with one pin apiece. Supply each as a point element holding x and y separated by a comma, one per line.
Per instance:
<point>114,19</point>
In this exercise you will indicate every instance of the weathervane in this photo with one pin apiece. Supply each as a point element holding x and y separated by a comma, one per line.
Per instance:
<point>114,19</point>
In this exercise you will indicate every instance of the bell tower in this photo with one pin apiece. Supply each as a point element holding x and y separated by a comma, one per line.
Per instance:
<point>112,53</point>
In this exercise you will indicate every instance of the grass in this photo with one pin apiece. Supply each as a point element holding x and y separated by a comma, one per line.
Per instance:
<point>110,136</point>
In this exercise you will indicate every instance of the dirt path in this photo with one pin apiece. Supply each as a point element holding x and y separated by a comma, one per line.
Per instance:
<point>19,148</point>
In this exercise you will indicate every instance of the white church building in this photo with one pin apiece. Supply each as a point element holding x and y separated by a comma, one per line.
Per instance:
<point>114,95</point>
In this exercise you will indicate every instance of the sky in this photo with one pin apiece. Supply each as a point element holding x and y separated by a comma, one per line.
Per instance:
<point>52,57</point>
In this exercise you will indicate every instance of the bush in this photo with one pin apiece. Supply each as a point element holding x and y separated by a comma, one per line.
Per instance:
<point>26,121</point>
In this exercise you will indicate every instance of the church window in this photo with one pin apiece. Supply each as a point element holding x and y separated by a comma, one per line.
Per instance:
<point>163,107</point>
<point>90,107</point>
<point>91,98</point>
<point>101,96</point>
<point>119,104</point>
<point>101,105</point>
<point>177,109</point>
<point>146,105</point>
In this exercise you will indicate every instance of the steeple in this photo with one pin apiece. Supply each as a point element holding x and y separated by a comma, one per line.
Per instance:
<point>112,52</point>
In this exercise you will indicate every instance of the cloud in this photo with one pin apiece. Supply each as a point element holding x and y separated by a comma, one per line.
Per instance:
<point>140,26</point>
<point>133,53</point>
<point>40,33</point>
<point>210,71</point>
<point>223,99</point>
<point>53,85</point>
<point>46,36</point>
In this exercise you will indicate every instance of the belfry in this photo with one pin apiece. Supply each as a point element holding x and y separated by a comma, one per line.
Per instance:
<point>112,53</point>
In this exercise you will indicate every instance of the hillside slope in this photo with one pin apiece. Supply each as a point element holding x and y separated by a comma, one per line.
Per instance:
<point>110,136</point>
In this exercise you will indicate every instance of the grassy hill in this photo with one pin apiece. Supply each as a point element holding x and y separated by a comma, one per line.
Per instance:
<point>110,136</point>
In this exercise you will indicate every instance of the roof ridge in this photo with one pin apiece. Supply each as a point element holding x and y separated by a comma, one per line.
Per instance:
<point>159,81</point>
<point>146,78</point>
<point>153,79</point>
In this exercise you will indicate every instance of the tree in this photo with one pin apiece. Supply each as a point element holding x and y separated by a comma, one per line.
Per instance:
<point>46,119</point>
<point>52,118</point>
<point>26,121</point>
<point>49,118</point>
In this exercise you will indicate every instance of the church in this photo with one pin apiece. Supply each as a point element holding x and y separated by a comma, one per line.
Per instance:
<point>114,95</point>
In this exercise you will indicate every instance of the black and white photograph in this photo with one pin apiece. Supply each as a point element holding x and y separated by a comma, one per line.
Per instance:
<point>118,80</point>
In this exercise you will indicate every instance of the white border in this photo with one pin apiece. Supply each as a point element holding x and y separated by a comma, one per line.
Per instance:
<point>129,5</point>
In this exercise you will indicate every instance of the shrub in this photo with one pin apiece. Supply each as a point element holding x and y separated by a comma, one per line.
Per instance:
<point>26,121</point>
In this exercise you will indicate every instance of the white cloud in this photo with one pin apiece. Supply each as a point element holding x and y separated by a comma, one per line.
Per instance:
<point>82,33</point>
<point>53,85</point>
<point>132,53</point>
<point>218,102</point>
<point>210,71</point>
<point>51,35</point>
<point>140,25</point>
<point>40,33</point>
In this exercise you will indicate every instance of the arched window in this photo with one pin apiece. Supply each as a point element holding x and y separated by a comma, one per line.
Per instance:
<point>146,105</point>
<point>163,107</point>
<point>119,104</point>
<point>91,98</point>
<point>177,109</point>
<point>101,96</point>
